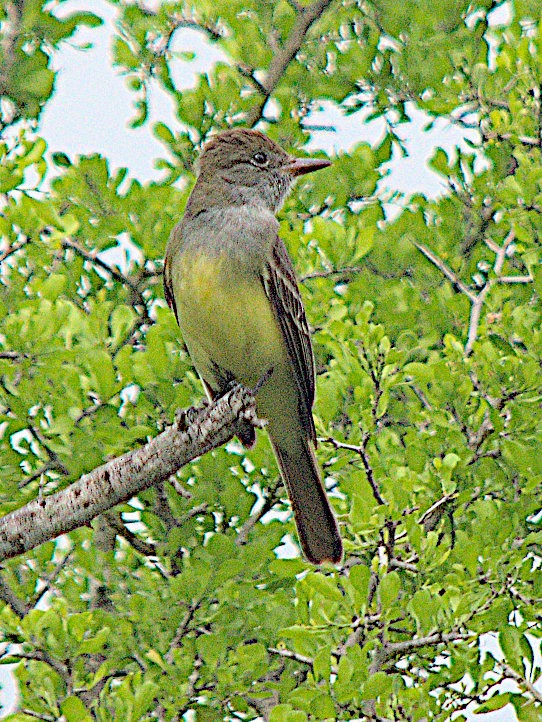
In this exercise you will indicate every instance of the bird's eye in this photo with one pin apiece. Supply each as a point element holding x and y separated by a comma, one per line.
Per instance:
<point>260,159</point>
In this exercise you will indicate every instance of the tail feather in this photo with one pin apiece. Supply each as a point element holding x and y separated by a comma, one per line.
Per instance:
<point>316,524</point>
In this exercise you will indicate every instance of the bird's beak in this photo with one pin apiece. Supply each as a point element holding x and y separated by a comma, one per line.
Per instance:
<point>300,166</point>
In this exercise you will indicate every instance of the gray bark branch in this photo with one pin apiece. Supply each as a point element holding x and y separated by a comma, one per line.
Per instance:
<point>307,15</point>
<point>198,431</point>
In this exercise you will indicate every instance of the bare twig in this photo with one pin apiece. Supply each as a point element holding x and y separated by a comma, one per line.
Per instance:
<point>346,271</point>
<point>182,629</point>
<point>523,139</point>
<point>37,715</point>
<point>522,681</point>
<point>478,301</point>
<point>13,356</point>
<point>193,678</point>
<point>399,564</point>
<point>93,257</point>
<point>515,279</point>
<point>115,522</point>
<point>288,654</point>
<point>13,249</point>
<point>393,649</point>
<point>41,656</point>
<point>306,16</point>
<point>268,504</point>
<point>436,507</point>
<point>446,270</point>
<point>50,580</point>
<point>361,451</point>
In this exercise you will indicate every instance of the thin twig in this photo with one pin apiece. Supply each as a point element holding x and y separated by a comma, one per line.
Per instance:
<point>13,249</point>
<point>361,451</point>
<point>41,656</point>
<point>268,504</point>
<point>306,16</point>
<point>182,629</point>
<point>399,564</point>
<point>93,257</point>
<point>346,271</point>
<point>50,580</point>
<point>288,654</point>
<point>446,270</point>
<point>392,649</point>
<point>522,681</point>
<point>515,279</point>
<point>478,300</point>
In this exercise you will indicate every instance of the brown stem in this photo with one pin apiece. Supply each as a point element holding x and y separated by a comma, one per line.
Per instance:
<point>306,16</point>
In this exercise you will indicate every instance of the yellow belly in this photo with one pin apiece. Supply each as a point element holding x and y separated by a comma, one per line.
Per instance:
<point>230,330</point>
<point>227,321</point>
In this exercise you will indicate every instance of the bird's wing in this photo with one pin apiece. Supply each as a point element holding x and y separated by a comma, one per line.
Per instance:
<point>168,285</point>
<point>280,285</point>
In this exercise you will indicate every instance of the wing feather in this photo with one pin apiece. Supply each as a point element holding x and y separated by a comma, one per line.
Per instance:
<point>281,287</point>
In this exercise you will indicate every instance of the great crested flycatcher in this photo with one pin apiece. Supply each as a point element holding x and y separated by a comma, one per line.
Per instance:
<point>232,286</point>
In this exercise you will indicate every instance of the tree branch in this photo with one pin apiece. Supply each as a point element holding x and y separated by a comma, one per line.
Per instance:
<point>478,300</point>
<point>193,434</point>
<point>268,504</point>
<point>305,18</point>
<point>392,649</point>
<point>288,654</point>
<point>446,270</point>
<point>522,681</point>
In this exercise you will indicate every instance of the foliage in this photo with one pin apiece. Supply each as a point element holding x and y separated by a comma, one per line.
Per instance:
<point>429,350</point>
<point>30,34</point>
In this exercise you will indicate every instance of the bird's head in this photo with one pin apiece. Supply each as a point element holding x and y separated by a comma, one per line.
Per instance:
<point>250,168</point>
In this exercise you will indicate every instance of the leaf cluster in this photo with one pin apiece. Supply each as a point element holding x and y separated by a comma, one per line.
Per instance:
<point>192,597</point>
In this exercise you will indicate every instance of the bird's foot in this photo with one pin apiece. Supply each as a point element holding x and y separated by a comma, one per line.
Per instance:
<point>186,417</point>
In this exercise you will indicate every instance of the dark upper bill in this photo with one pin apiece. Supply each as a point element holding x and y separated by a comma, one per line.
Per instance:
<point>300,166</point>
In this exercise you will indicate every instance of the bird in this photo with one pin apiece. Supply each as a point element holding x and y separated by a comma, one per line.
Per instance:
<point>232,286</point>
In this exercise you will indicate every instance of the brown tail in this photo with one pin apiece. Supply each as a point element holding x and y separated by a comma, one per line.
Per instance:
<point>316,525</point>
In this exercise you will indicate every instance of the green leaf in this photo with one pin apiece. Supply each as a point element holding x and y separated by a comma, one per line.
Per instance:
<point>498,701</point>
<point>439,162</point>
<point>325,586</point>
<point>378,685</point>
<point>390,586</point>
<point>285,713</point>
<point>61,160</point>
<point>510,640</point>
<point>322,664</point>
<point>74,710</point>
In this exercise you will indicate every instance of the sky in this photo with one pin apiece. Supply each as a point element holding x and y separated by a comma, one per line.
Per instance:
<point>90,111</point>
<point>92,105</point>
